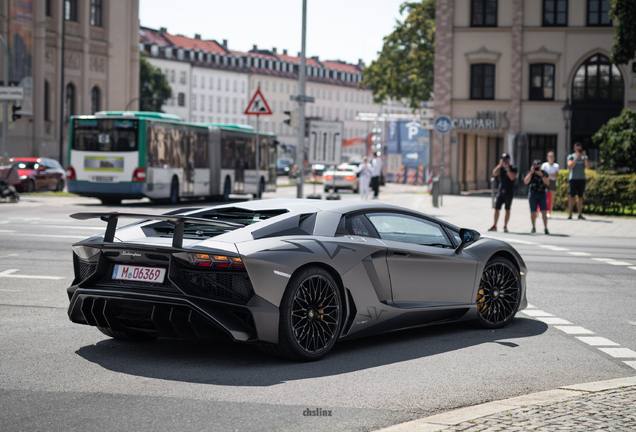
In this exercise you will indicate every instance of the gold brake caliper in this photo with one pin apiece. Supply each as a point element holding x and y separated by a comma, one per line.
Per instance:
<point>481,300</point>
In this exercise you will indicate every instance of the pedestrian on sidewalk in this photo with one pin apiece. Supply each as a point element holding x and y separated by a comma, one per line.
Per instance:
<point>552,168</point>
<point>376,172</point>
<point>577,163</point>
<point>507,174</point>
<point>364,178</point>
<point>538,181</point>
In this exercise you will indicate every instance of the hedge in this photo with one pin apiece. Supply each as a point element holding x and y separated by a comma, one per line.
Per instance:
<point>605,193</point>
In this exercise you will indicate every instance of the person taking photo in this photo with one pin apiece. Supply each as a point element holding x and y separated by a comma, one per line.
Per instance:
<point>507,174</point>
<point>538,181</point>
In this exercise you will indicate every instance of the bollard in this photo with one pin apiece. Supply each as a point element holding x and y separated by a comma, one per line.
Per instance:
<point>435,192</point>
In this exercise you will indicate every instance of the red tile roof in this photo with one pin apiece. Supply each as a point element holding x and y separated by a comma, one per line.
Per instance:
<point>195,44</point>
<point>341,66</point>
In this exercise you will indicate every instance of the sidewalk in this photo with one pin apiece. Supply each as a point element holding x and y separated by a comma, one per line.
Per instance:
<point>476,212</point>
<point>605,405</point>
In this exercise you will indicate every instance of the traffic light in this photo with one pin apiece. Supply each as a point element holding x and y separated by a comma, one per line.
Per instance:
<point>15,109</point>
<point>292,121</point>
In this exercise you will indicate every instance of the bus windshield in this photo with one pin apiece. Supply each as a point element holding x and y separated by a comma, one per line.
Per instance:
<point>105,135</point>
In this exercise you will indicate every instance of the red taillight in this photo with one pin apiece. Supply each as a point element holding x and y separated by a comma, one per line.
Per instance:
<point>328,177</point>
<point>70,173</point>
<point>139,175</point>
<point>350,177</point>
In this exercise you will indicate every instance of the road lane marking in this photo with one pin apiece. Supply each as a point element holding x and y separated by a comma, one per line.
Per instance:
<point>6,290</point>
<point>619,352</point>
<point>596,341</point>
<point>554,248</point>
<point>553,321</point>
<point>10,255</point>
<point>43,235</point>
<point>603,259</point>
<point>537,313</point>
<point>619,263</point>
<point>573,330</point>
<point>633,268</point>
<point>6,231</point>
<point>8,274</point>
<point>579,253</point>
<point>72,227</point>
<point>630,363</point>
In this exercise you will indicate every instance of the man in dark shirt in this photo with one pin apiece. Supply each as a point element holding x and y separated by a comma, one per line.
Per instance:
<point>507,174</point>
<point>538,182</point>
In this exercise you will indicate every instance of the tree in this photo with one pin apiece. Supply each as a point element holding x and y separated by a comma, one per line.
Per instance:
<point>617,142</point>
<point>404,67</point>
<point>624,48</point>
<point>153,86</point>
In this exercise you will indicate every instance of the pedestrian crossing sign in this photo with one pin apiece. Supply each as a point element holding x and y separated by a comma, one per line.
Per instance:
<point>258,105</point>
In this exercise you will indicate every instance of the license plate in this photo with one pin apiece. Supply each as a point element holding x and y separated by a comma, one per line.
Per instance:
<point>140,274</point>
<point>103,179</point>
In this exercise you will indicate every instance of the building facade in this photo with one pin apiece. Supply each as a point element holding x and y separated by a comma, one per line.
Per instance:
<point>504,70</point>
<point>235,76</point>
<point>101,65</point>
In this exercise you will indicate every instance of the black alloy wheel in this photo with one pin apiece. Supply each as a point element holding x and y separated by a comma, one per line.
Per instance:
<point>499,293</point>
<point>30,186</point>
<point>60,185</point>
<point>311,316</point>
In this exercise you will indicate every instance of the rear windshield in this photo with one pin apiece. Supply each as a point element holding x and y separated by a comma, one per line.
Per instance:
<point>235,215</point>
<point>25,165</point>
<point>105,135</point>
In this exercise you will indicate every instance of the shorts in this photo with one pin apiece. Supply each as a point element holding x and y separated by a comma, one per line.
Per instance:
<point>503,198</point>
<point>552,186</point>
<point>577,187</point>
<point>538,200</point>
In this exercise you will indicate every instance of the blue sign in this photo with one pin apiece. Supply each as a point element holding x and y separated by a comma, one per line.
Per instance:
<point>392,137</point>
<point>443,125</point>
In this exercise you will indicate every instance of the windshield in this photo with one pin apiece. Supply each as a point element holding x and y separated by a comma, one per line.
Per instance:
<point>25,165</point>
<point>105,135</point>
<point>284,161</point>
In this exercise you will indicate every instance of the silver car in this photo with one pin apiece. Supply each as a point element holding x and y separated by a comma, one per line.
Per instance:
<point>346,177</point>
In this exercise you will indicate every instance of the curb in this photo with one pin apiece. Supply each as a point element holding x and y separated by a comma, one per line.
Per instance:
<point>452,418</point>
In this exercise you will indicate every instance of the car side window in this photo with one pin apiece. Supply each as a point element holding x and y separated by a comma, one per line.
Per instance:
<point>408,229</point>
<point>359,225</point>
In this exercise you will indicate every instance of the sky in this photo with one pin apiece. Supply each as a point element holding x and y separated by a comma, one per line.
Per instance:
<point>336,29</point>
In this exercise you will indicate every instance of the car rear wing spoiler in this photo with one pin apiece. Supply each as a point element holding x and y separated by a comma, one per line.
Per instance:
<point>177,221</point>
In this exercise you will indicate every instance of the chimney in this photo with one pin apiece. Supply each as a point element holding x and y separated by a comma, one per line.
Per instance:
<point>163,30</point>
<point>197,36</point>
<point>274,50</point>
<point>360,63</point>
<point>284,52</point>
<point>254,48</point>
<point>225,43</point>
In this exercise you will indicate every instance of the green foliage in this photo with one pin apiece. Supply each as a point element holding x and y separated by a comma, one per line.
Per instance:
<point>624,48</point>
<point>617,142</point>
<point>153,86</point>
<point>404,68</point>
<point>604,193</point>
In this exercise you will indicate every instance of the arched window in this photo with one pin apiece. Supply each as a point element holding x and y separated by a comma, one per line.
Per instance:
<point>69,104</point>
<point>96,97</point>
<point>597,80</point>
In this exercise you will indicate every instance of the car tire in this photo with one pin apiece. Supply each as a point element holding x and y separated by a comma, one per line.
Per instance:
<point>499,294</point>
<point>326,189</point>
<point>311,315</point>
<point>129,335</point>
<point>174,192</point>
<point>60,186</point>
<point>30,187</point>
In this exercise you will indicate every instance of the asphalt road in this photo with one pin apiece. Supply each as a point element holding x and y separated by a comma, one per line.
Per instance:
<point>55,375</point>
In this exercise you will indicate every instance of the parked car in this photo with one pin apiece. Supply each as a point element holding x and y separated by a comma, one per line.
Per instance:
<point>346,178</point>
<point>39,174</point>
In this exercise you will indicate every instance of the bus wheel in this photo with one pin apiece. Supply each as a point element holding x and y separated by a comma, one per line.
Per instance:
<point>174,191</point>
<point>227,188</point>
<point>110,201</point>
<point>261,189</point>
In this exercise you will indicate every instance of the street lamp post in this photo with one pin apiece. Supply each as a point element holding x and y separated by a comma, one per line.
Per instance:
<point>567,116</point>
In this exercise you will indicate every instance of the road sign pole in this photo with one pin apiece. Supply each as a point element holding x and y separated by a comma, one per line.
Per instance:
<point>441,179</point>
<point>5,104</point>
<point>300,149</point>
<point>258,153</point>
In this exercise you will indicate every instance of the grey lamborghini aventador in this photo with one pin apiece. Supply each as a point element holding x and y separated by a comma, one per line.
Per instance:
<point>292,276</point>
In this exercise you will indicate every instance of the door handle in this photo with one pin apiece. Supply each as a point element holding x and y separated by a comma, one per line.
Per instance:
<point>400,254</point>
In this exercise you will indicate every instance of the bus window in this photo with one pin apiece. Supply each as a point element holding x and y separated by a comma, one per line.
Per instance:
<point>105,135</point>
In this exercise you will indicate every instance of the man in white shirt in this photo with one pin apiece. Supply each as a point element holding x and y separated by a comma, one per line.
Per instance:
<point>376,172</point>
<point>552,168</point>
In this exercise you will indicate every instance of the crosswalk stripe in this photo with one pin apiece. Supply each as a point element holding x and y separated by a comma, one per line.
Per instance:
<point>596,341</point>
<point>573,330</point>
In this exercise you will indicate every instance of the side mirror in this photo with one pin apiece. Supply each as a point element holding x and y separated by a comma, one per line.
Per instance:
<point>467,236</point>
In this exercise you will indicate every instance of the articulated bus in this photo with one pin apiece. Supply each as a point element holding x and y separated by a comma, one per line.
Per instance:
<point>129,154</point>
